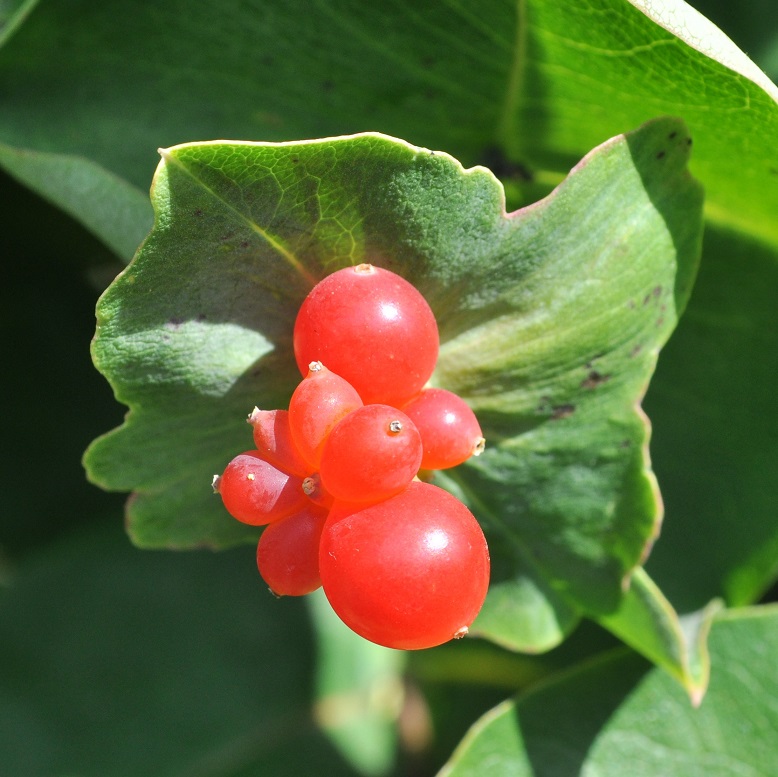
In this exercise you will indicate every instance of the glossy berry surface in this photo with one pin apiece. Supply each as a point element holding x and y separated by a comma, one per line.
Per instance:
<point>373,328</point>
<point>318,403</point>
<point>288,552</point>
<point>449,430</point>
<point>373,453</point>
<point>410,572</point>
<point>273,440</point>
<point>256,492</point>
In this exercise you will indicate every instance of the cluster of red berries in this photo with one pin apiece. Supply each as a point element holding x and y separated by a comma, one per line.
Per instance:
<point>335,478</point>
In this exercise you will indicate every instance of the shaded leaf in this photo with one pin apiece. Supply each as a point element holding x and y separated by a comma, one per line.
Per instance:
<point>112,209</point>
<point>12,16</point>
<point>125,663</point>
<point>551,319</point>
<point>715,427</point>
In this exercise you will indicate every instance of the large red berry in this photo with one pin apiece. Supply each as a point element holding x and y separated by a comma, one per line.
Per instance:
<point>320,400</point>
<point>256,492</point>
<point>371,327</point>
<point>288,552</point>
<point>371,454</point>
<point>409,572</point>
<point>450,432</point>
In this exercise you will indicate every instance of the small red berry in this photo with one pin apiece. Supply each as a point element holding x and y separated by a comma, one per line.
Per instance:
<point>450,432</point>
<point>372,453</point>
<point>288,552</point>
<point>256,492</point>
<point>273,439</point>
<point>320,400</point>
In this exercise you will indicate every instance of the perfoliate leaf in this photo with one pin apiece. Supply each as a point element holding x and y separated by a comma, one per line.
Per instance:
<point>551,319</point>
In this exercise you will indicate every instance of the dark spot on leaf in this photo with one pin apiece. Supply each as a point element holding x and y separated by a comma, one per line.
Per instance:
<point>660,321</point>
<point>688,141</point>
<point>646,299</point>
<point>201,317</point>
<point>660,154</point>
<point>494,158</point>
<point>635,351</point>
<point>594,379</point>
<point>625,444</point>
<point>544,403</point>
<point>657,291</point>
<point>198,212</point>
<point>295,160</point>
<point>631,304</point>
<point>562,411</point>
<point>590,364</point>
<point>244,244</point>
<point>672,135</point>
<point>328,85</point>
<point>175,322</point>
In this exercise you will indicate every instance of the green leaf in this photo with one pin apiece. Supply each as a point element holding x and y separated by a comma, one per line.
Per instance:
<point>12,16</point>
<point>715,430</point>
<point>551,319</point>
<point>113,210</point>
<point>359,690</point>
<point>122,663</point>
<point>542,81</point>
<point>613,712</point>
<point>647,622</point>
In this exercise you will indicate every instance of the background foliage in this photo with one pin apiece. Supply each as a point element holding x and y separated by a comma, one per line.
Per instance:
<point>181,657</point>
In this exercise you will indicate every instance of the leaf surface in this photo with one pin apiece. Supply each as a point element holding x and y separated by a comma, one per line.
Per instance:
<point>539,81</point>
<point>615,711</point>
<point>551,319</point>
<point>647,622</point>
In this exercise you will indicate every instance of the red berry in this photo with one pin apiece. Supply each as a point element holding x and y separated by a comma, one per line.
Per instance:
<point>373,328</point>
<point>450,432</point>
<point>320,400</point>
<point>315,491</point>
<point>256,492</point>
<point>410,572</point>
<point>371,454</point>
<point>273,439</point>
<point>288,552</point>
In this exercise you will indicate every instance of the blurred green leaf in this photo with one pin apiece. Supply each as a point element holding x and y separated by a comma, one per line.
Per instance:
<point>359,691</point>
<point>614,714</point>
<point>117,662</point>
<point>715,430</point>
<point>542,81</point>
<point>551,320</point>
<point>12,15</point>
<point>107,205</point>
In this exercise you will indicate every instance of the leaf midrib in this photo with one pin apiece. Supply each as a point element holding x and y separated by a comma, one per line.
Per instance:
<point>272,240</point>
